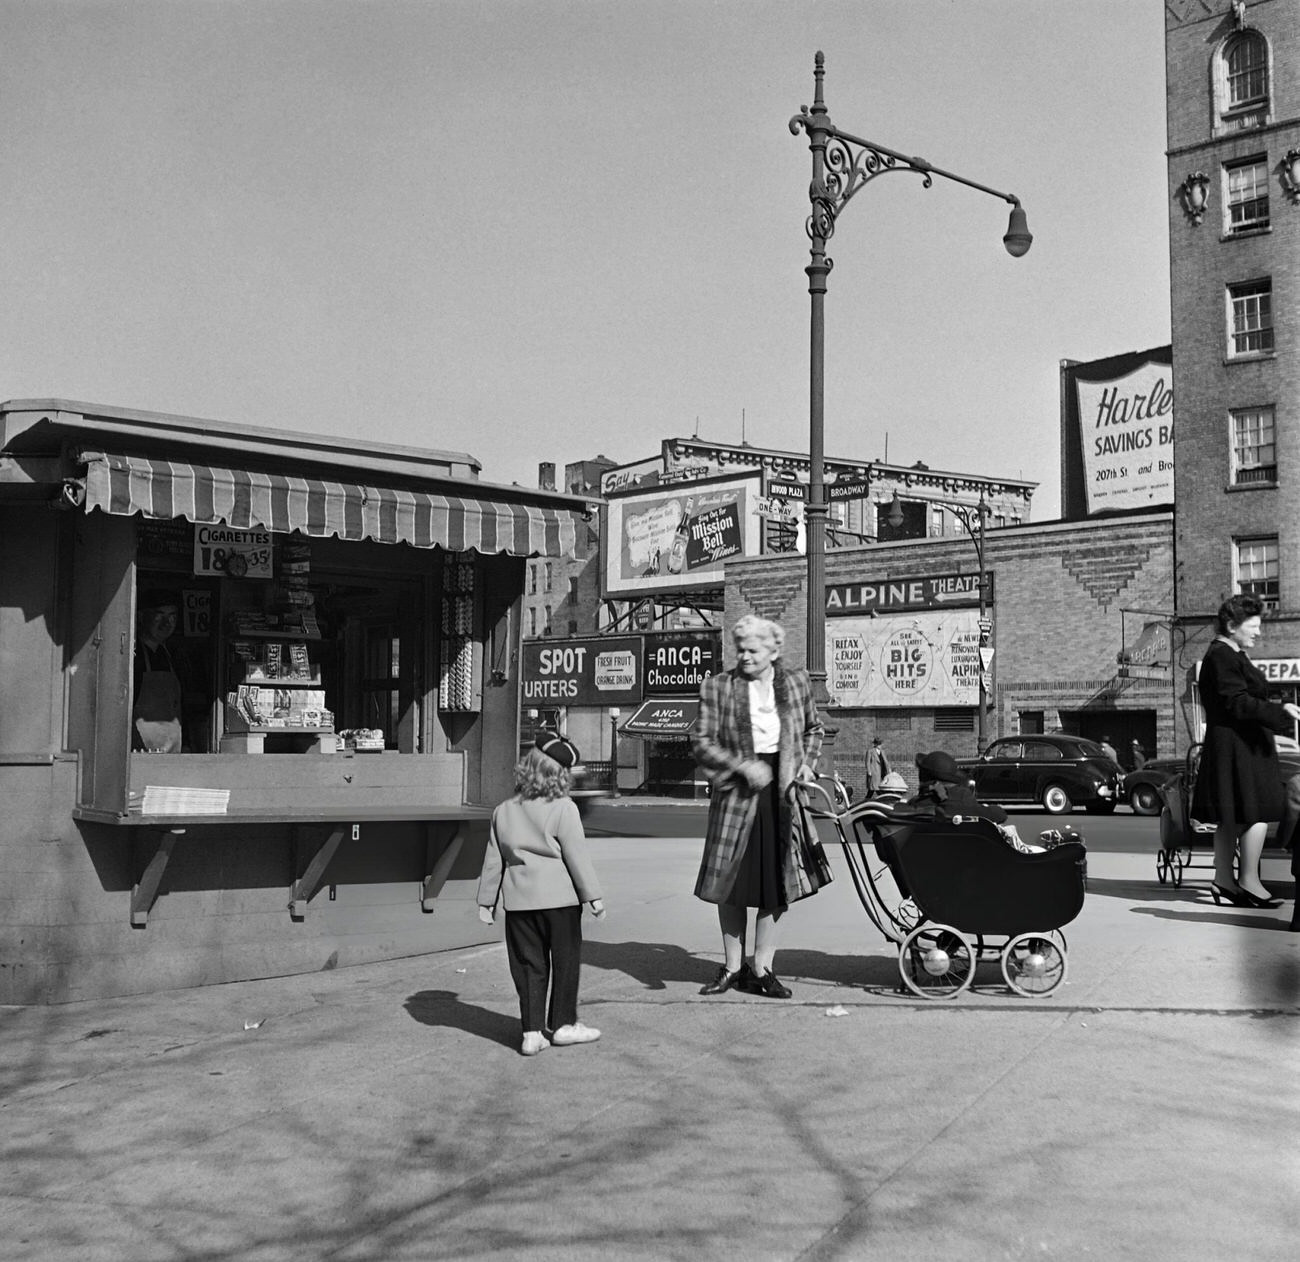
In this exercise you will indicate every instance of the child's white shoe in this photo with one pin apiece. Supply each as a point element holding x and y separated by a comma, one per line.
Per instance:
<point>567,1035</point>
<point>534,1042</point>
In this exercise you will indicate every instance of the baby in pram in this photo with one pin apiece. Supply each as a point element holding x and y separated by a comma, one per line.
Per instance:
<point>946,793</point>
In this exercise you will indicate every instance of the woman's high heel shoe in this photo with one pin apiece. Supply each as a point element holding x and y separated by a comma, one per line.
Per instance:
<point>1234,897</point>
<point>1253,900</point>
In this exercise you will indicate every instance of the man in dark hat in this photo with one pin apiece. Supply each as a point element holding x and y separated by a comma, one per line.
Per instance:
<point>877,766</point>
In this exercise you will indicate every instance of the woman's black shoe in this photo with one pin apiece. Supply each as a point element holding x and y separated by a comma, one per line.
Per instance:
<point>726,981</point>
<point>1253,900</point>
<point>767,985</point>
<point>1237,898</point>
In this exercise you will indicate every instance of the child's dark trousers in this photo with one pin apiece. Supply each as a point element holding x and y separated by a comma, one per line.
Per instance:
<point>545,947</point>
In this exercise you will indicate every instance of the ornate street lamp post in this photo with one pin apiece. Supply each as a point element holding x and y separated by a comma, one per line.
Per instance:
<point>842,164</point>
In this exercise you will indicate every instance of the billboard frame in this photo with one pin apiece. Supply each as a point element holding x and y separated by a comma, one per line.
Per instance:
<point>617,584</point>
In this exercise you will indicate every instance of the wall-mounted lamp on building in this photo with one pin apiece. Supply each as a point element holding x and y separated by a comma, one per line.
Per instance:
<point>1195,192</point>
<point>1291,174</point>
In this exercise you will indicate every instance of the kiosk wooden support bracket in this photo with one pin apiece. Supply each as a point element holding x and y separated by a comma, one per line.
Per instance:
<point>145,891</point>
<point>440,868</point>
<point>300,894</point>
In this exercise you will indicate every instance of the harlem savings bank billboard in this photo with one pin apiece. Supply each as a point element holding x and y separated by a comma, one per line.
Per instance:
<point>1117,433</point>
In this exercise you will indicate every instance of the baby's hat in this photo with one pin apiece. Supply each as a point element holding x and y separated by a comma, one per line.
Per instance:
<point>557,747</point>
<point>894,783</point>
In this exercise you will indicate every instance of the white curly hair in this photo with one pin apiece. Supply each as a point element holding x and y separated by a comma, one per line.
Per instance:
<point>765,628</point>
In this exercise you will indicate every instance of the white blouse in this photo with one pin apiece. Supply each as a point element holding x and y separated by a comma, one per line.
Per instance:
<point>764,722</point>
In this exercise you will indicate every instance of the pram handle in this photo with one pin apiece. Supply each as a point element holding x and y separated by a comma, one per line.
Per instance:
<point>831,811</point>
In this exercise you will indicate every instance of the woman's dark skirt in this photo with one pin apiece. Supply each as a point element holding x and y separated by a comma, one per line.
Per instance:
<point>759,880</point>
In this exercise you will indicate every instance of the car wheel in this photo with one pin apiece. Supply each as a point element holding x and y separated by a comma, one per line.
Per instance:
<point>1144,800</point>
<point>1056,800</point>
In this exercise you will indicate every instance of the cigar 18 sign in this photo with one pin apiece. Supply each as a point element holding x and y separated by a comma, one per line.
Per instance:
<point>601,670</point>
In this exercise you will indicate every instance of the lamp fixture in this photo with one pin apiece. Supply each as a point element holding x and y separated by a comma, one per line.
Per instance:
<point>1195,193</point>
<point>1018,238</point>
<point>1291,174</point>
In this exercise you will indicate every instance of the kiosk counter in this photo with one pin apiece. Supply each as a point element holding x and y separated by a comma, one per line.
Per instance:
<point>261,691</point>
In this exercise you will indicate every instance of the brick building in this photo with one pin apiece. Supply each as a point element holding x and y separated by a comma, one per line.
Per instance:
<point>1061,595</point>
<point>1233,90</point>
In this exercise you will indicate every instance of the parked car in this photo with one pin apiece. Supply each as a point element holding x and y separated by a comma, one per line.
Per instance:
<point>1142,787</point>
<point>1059,771</point>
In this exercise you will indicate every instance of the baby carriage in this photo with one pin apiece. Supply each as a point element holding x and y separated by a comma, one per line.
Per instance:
<point>949,894</point>
<point>1186,842</point>
<point>1181,835</point>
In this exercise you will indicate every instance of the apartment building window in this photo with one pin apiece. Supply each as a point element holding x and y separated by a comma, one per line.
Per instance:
<point>532,578</point>
<point>936,523</point>
<point>532,620</point>
<point>573,591</point>
<point>1257,568</point>
<point>1247,199</point>
<point>1246,61</point>
<point>549,576</point>
<point>1254,448</point>
<point>1251,313</point>
<point>546,624</point>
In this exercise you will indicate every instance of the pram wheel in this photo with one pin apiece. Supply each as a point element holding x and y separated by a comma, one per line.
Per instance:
<point>936,962</point>
<point>1033,965</point>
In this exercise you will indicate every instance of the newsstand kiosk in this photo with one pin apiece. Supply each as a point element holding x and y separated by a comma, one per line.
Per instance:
<point>340,637</point>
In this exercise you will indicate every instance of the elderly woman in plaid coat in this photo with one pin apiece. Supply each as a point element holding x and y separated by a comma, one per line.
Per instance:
<point>758,732</point>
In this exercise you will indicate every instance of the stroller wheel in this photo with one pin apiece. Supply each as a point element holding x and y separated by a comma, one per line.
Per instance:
<point>1176,866</point>
<point>1033,965</point>
<point>936,961</point>
<point>1162,866</point>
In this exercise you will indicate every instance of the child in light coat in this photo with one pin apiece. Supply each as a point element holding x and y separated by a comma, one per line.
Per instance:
<point>536,865</point>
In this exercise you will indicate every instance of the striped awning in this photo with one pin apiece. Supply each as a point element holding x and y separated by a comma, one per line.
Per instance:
<point>245,499</point>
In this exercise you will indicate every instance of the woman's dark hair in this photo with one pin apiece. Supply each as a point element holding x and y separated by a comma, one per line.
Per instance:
<point>1236,609</point>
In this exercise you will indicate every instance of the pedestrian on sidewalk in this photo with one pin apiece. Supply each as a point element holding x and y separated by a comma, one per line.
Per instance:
<point>1239,782</point>
<point>537,866</point>
<point>758,732</point>
<point>877,766</point>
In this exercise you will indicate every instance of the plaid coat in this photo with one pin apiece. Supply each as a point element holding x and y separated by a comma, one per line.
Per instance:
<point>724,740</point>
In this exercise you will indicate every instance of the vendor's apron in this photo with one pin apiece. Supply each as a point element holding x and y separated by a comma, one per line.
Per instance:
<point>157,707</point>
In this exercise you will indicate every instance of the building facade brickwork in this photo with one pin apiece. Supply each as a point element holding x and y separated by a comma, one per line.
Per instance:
<point>1234,126</point>
<point>1064,596</point>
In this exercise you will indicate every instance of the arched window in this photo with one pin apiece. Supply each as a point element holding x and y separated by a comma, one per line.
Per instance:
<point>1245,76</point>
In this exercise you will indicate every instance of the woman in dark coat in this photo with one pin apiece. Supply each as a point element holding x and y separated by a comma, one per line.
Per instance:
<point>1239,783</point>
<point>758,732</point>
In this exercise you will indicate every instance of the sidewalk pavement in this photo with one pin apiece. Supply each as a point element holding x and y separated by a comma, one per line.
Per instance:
<point>1148,1109</point>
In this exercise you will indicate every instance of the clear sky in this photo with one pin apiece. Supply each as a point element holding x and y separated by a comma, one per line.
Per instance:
<point>544,230</point>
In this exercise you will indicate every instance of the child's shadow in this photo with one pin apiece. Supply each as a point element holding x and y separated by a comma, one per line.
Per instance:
<point>446,1008</point>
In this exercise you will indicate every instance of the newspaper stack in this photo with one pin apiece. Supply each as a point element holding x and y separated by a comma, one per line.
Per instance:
<point>170,799</point>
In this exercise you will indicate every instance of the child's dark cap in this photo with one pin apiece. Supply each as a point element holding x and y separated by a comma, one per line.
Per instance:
<point>555,746</point>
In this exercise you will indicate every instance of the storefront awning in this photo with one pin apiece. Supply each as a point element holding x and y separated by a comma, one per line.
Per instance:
<point>665,716</point>
<point>245,500</point>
